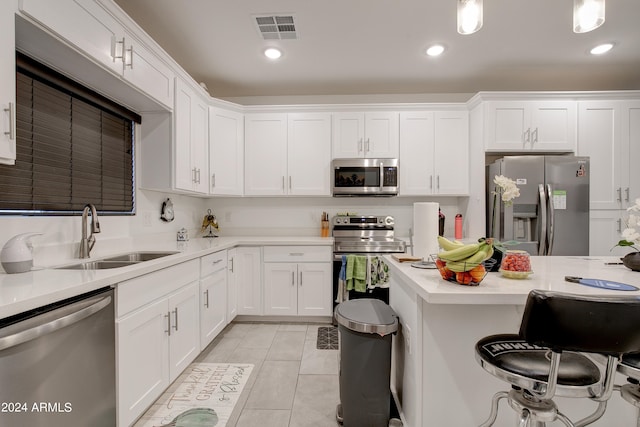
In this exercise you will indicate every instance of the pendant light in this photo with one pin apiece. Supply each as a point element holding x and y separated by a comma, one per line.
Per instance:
<point>470,16</point>
<point>587,15</point>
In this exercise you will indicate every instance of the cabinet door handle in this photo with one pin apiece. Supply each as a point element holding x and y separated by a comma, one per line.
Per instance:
<point>293,278</point>
<point>12,121</point>
<point>534,136</point>
<point>114,53</point>
<point>168,316</point>
<point>619,191</point>
<point>231,262</point>
<point>175,311</point>
<point>626,192</point>
<point>619,225</point>
<point>300,281</point>
<point>368,145</point>
<point>431,182</point>
<point>282,182</point>
<point>198,175</point>
<point>213,180</point>
<point>206,298</point>
<point>438,182</point>
<point>527,135</point>
<point>130,64</point>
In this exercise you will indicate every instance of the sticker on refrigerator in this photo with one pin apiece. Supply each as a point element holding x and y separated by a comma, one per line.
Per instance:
<point>521,181</point>
<point>559,199</point>
<point>581,172</point>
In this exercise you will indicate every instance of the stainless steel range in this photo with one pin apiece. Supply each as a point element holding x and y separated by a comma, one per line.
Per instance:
<point>363,235</point>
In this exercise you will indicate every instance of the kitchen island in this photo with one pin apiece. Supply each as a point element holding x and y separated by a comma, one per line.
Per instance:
<point>435,377</point>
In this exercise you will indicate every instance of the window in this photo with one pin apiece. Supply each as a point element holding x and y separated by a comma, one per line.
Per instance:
<point>73,147</point>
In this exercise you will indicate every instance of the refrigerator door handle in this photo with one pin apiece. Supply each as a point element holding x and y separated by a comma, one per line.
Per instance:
<point>551,213</point>
<point>542,216</point>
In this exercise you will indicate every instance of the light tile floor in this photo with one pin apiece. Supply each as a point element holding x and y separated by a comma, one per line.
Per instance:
<point>292,384</point>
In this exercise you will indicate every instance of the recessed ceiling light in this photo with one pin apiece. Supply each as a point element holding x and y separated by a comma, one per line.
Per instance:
<point>272,53</point>
<point>600,49</point>
<point>435,50</point>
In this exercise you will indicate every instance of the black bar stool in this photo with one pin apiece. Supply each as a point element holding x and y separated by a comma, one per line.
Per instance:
<point>630,366</point>
<point>545,359</point>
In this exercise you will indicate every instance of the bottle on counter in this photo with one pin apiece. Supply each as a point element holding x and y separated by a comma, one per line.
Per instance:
<point>458,226</point>
<point>441,219</point>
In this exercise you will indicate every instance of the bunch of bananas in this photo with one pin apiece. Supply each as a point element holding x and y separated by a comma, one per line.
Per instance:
<point>461,257</point>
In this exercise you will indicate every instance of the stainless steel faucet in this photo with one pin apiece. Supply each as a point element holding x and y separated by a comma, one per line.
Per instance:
<point>86,244</point>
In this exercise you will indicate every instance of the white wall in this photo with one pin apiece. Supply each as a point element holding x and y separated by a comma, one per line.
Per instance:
<point>301,216</point>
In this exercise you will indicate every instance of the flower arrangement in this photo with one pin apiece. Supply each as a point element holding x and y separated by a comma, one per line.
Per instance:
<point>507,187</point>
<point>631,234</point>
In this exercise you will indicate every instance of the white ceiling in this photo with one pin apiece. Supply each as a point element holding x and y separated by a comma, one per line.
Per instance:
<point>354,47</point>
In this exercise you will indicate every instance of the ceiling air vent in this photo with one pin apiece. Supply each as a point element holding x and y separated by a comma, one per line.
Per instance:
<point>276,27</point>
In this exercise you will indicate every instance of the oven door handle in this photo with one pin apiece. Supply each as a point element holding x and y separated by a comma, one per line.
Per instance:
<point>49,327</point>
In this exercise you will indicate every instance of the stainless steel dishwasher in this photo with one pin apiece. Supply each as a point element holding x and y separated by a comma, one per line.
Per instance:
<point>57,364</point>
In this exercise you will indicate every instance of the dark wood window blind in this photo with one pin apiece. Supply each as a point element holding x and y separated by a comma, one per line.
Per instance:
<point>71,150</point>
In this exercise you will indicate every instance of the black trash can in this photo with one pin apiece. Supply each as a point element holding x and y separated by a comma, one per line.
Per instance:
<point>365,327</point>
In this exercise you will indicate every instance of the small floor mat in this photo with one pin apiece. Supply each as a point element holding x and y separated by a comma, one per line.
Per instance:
<point>327,338</point>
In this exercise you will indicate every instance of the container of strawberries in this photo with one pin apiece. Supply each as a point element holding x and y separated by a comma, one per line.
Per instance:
<point>516,265</point>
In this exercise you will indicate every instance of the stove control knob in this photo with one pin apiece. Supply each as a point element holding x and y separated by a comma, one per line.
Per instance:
<point>388,220</point>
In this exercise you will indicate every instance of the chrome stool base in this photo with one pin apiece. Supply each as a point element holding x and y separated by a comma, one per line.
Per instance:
<point>631,393</point>
<point>533,411</point>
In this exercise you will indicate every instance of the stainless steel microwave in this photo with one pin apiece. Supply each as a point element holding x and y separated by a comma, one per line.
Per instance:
<point>364,177</point>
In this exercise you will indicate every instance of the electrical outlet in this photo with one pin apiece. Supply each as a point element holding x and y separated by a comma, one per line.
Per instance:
<point>146,219</point>
<point>406,331</point>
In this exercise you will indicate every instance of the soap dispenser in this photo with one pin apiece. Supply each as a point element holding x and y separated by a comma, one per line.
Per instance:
<point>16,255</point>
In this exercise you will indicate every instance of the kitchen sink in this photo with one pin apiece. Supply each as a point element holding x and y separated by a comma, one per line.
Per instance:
<point>139,256</point>
<point>117,261</point>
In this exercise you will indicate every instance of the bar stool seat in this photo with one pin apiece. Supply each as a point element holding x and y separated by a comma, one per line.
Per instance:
<point>548,357</point>
<point>524,365</point>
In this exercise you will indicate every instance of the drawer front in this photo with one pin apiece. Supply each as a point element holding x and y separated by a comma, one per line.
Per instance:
<point>213,262</point>
<point>297,253</point>
<point>134,293</point>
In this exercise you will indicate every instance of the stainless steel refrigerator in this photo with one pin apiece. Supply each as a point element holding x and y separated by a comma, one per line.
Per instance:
<point>551,216</point>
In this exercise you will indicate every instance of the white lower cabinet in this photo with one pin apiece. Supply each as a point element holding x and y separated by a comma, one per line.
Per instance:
<point>232,285</point>
<point>157,335</point>
<point>247,273</point>
<point>297,288</point>
<point>213,296</point>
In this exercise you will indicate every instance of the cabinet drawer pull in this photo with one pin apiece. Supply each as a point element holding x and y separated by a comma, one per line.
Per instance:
<point>206,298</point>
<point>130,64</point>
<point>12,121</point>
<point>296,253</point>
<point>114,44</point>
<point>216,261</point>
<point>175,311</point>
<point>168,316</point>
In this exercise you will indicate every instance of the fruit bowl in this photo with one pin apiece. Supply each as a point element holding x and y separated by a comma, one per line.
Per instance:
<point>515,265</point>
<point>473,275</point>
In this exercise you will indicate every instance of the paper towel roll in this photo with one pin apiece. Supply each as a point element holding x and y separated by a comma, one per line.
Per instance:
<point>425,229</point>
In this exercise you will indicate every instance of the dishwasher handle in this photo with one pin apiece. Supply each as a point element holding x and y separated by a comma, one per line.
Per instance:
<point>59,323</point>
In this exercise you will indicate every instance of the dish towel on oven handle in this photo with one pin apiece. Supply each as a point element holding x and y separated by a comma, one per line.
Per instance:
<point>342,294</point>
<point>378,273</point>
<point>356,273</point>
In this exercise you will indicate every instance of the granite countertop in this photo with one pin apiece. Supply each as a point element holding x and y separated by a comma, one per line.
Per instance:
<point>46,284</point>
<point>548,273</point>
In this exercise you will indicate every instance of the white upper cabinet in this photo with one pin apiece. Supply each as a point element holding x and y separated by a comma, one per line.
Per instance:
<point>287,154</point>
<point>609,133</point>
<point>372,135</point>
<point>434,153</point>
<point>546,126</point>
<point>309,154</point>
<point>8,83</point>
<point>88,27</point>
<point>146,71</point>
<point>265,154</point>
<point>226,152</point>
<point>191,118</point>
